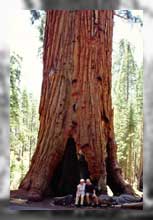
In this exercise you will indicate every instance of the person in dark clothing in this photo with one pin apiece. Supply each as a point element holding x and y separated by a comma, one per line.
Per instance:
<point>83,166</point>
<point>90,193</point>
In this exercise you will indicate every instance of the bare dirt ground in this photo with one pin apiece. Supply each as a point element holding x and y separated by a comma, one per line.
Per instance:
<point>19,201</point>
<point>45,205</point>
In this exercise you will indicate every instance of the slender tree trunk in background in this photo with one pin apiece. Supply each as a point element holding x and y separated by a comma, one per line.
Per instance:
<point>30,143</point>
<point>130,162</point>
<point>140,177</point>
<point>31,138</point>
<point>140,187</point>
<point>76,108</point>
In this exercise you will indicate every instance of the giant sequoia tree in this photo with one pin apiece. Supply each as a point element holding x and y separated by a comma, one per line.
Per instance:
<point>75,108</point>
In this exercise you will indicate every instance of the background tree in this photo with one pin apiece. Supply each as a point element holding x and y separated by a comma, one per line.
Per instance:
<point>127,95</point>
<point>23,124</point>
<point>38,18</point>
<point>15,70</point>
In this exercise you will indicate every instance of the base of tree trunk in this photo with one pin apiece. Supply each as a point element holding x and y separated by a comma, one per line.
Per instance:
<point>115,178</point>
<point>20,193</point>
<point>67,175</point>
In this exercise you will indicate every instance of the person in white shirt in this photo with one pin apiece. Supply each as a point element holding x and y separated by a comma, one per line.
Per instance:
<point>80,193</point>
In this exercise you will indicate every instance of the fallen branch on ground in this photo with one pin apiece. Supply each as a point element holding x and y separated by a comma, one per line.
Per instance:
<point>136,205</point>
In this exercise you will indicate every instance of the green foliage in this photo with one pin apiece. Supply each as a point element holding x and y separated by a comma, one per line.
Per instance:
<point>127,14</point>
<point>127,93</point>
<point>38,18</point>
<point>23,124</point>
<point>15,71</point>
<point>35,15</point>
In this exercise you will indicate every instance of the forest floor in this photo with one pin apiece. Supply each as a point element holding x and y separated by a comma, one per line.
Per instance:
<point>18,201</point>
<point>46,204</point>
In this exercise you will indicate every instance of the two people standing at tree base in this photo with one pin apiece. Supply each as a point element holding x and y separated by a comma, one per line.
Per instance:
<point>86,190</point>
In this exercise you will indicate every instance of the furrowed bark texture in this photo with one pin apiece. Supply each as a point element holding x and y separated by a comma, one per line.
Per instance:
<point>76,100</point>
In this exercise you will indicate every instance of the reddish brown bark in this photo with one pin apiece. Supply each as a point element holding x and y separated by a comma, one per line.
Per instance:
<point>76,100</point>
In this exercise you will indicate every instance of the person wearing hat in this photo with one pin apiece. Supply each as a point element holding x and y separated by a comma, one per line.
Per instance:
<point>80,193</point>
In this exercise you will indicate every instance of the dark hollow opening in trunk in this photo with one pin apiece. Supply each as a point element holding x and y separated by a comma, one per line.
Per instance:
<point>83,167</point>
<point>69,171</point>
<point>67,175</point>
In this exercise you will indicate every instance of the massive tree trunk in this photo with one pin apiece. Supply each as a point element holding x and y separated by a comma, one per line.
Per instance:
<point>75,108</point>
